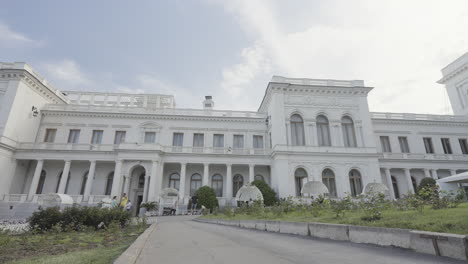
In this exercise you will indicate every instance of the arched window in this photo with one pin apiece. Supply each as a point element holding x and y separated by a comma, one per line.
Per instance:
<point>141,181</point>
<point>323,131</point>
<point>40,185</point>
<point>195,183</point>
<point>58,182</point>
<point>328,178</point>
<point>83,183</point>
<point>299,176</point>
<point>259,178</point>
<point>297,130</point>
<point>237,181</point>
<point>355,182</point>
<point>395,188</point>
<point>349,135</point>
<point>174,181</point>
<point>414,183</point>
<point>109,180</point>
<point>217,184</point>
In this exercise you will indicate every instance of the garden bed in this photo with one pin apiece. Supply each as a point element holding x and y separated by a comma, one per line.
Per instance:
<point>448,220</point>
<point>101,246</point>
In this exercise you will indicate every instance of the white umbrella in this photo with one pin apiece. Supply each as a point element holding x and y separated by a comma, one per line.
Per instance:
<point>249,193</point>
<point>169,192</point>
<point>314,188</point>
<point>55,199</point>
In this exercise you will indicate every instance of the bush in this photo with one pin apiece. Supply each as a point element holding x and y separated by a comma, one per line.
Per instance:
<point>340,206</point>
<point>269,196</point>
<point>45,219</point>
<point>372,205</point>
<point>207,197</point>
<point>77,218</point>
<point>426,182</point>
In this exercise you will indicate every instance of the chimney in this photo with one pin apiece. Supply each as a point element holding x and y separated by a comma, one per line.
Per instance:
<point>208,104</point>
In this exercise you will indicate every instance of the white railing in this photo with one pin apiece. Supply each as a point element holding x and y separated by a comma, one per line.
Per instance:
<point>318,82</point>
<point>65,146</point>
<point>422,117</point>
<point>211,150</point>
<point>77,198</point>
<point>323,149</point>
<point>423,156</point>
<point>155,111</point>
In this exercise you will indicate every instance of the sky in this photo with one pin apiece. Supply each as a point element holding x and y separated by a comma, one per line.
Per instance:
<point>231,49</point>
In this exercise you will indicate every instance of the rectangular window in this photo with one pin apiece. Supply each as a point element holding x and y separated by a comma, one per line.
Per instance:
<point>50,135</point>
<point>150,137</point>
<point>404,147</point>
<point>446,145</point>
<point>428,145</point>
<point>119,137</point>
<point>258,142</point>
<point>178,140</point>
<point>74,136</point>
<point>385,142</point>
<point>198,140</point>
<point>97,137</point>
<point>463,145</point>
<point>238,141</point>
<point>218,141</point>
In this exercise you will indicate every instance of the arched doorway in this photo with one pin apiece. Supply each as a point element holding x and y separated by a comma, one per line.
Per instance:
<point>136,188</point>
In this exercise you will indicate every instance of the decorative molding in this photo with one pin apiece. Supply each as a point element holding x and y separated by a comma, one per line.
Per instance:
<point>392,132</point>
<point>121,126</point>
<point>97,125</point>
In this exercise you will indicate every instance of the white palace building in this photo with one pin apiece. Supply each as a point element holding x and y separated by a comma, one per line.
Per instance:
<point>93,145</point>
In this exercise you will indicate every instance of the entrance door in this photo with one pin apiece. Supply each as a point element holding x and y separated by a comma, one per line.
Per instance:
<point>139,200</point>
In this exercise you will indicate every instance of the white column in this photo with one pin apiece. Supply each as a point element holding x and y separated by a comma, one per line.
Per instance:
<point>288,139</point>
<point>145,189</point>
<point>408,180</point>
<point>206,167</point>
<point>117,179</point>
<point>127,184</point>
<point>89,181</point>
<point>183,169</point>
<point>251,172</point>
<point>35,180</point>
<point>228,181</point>
<point>307,138</point>
<point>453,172</point>
<point>427,173</point>
<point>388,176</point>
<point>434,174</point>
<point>64,179</point>
<point>153,182</point>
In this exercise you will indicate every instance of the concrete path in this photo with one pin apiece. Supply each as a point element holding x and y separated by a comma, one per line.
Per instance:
<point>177,239</point>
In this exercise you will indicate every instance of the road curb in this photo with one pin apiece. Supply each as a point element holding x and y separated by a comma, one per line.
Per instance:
<point>131,254</point>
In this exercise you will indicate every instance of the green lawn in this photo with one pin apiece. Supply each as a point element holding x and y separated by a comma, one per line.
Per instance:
<point>67,247</point>
<point>452,220</point>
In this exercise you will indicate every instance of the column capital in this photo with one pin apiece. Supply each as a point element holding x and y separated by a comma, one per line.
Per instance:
<point>155,161</point>
<point>119,160</point>
<point>252,165</point>
<point>228,164</point>
<point>206,164</point>
<point>92,161</point>
<point>183,163</point>
<point>67,160</point>
<point>40,160</point>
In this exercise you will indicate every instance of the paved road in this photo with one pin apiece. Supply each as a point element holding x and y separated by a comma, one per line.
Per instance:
<point>177,239</point>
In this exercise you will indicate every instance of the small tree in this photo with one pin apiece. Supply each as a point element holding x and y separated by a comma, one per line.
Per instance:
<point>426,188</point>
<point>269,196</point>
<point>207,197</point>
<point>426,182</point>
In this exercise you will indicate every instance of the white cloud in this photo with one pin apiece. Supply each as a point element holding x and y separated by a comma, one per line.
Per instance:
<point>67,75</point>
<point>397,46</point>
<point>8,35</point>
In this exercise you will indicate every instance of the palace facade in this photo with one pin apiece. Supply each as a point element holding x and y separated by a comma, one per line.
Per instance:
<point>93,145</point>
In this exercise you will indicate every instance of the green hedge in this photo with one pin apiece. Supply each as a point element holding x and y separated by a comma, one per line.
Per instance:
<point>77,217</point>
<point>269,196</point>
<point>207,197</point>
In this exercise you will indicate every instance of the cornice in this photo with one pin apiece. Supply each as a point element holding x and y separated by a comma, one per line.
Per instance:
<point>32,82</point>
<point>150,116</point>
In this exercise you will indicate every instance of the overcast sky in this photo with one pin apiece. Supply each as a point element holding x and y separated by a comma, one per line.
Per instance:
<point>230,49</point>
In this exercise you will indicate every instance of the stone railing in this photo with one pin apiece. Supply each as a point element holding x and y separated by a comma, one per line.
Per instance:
<point>323,149</point>
<point>419,117</point>
<point>65,146</point>
<point>318,82</point>
<point>211,150</point>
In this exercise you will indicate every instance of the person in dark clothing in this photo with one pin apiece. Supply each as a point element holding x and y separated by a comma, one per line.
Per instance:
<point>194,203</point>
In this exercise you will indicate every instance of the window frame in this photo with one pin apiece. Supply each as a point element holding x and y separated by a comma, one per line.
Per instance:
<point>349,132</point>
<point>404,148</point>
<point>74,136</point>
<point>238,141</point>
<point>446,146</point>
<point>463,145</point>
<point>385,144</point>
<point>48,132</point>
<point>255,140</point>
<point>428,145</point>
<point>147,140</point>
<point>119,137</point>
<point>297,130</point>
<point>215,136</point>
<point>323,131</point>
<point>219,181</point>
<point>95,134</point>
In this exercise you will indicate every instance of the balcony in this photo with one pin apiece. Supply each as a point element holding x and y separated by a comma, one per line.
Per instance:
<point>423,156</point>
<point>418,117</point>
<point>211,150</point>
<point>65,146</point>
<point>324,149</point>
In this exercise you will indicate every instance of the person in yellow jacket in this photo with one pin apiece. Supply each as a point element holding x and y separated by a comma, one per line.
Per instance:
<point>124,200</point>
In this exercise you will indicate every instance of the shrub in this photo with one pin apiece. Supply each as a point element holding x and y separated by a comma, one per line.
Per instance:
<point>77,218</point>
<point>269,195</point>
<point>340,206</point>
<point>45,219</point>
<point>150,206</point>
<point>372,205</point>
<point>227,211</point>
<point>207,197</point>
<point>426,182</point>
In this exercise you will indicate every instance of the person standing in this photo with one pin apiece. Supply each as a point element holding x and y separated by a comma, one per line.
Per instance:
<point>194,203</point>
<point>128,206</point>
<point>124,200</point>
<point>114,202</point>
